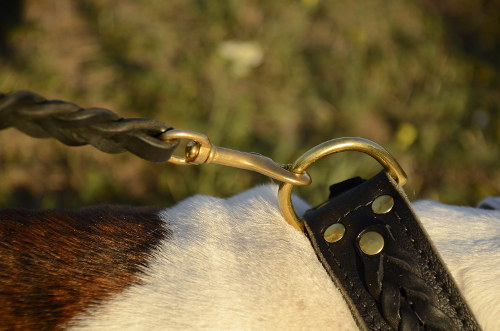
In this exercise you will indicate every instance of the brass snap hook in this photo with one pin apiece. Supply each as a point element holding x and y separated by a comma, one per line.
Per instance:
<point>330,147</point>
<point>200,150</point>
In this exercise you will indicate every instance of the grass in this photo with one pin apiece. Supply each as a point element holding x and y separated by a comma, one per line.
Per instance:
<point>396,72</point>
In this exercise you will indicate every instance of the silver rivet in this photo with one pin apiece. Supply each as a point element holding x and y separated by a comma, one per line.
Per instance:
<point>383,204</point>
<point>371,243</point>
<point>334,232</point>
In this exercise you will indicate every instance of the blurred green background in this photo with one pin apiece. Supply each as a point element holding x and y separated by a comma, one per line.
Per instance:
<point>274,77</point>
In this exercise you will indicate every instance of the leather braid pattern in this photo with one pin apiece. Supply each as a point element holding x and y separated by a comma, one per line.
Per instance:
<point>75,126</point>
<point>406,300</point>
<point>404,285</point>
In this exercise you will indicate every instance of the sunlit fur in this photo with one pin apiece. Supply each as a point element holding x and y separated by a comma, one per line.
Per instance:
<point>235,264</point>
<point>54,264</point>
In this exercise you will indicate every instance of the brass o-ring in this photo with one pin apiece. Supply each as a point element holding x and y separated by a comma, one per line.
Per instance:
<point>330,147</point>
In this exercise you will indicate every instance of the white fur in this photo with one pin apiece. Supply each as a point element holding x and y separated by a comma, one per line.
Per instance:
<point>235,264</point>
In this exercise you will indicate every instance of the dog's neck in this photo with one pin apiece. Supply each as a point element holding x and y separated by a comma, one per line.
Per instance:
<point>234,263</point>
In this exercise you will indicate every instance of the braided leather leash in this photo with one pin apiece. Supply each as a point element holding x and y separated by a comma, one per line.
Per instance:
<point>149,139</point>
<point>75,126</point>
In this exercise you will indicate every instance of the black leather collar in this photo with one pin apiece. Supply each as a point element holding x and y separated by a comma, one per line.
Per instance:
<point>406,285</point>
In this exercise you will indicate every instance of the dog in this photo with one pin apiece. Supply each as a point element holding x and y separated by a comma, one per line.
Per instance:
<point>208,263</point>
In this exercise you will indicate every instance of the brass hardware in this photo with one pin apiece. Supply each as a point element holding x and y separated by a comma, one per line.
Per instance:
<point>330,147</point>
<point>382,204</point>
<point>371,243</point>
<point>192,151</point>
<point>200,150</point>
<point>334,232</point>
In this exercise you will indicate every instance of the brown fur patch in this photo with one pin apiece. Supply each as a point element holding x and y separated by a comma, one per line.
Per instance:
<point>54,264</point>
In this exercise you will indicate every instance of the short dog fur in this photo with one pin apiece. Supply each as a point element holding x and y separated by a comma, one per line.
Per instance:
<point>207,263</point>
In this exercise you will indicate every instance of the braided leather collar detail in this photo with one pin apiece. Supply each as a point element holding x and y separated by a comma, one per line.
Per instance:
<point>404,287</point>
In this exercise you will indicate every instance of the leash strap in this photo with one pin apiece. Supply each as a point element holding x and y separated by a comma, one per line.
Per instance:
<point>149,139</point>
<point>76,126</point>
<point>379,256</point>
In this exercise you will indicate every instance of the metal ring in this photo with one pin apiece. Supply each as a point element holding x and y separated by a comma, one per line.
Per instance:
<point>330,147</point>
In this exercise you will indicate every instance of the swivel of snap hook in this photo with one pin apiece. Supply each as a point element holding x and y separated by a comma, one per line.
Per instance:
<point>200,150</point>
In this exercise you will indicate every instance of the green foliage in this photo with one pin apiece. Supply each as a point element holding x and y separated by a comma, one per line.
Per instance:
<point>273,77</point>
